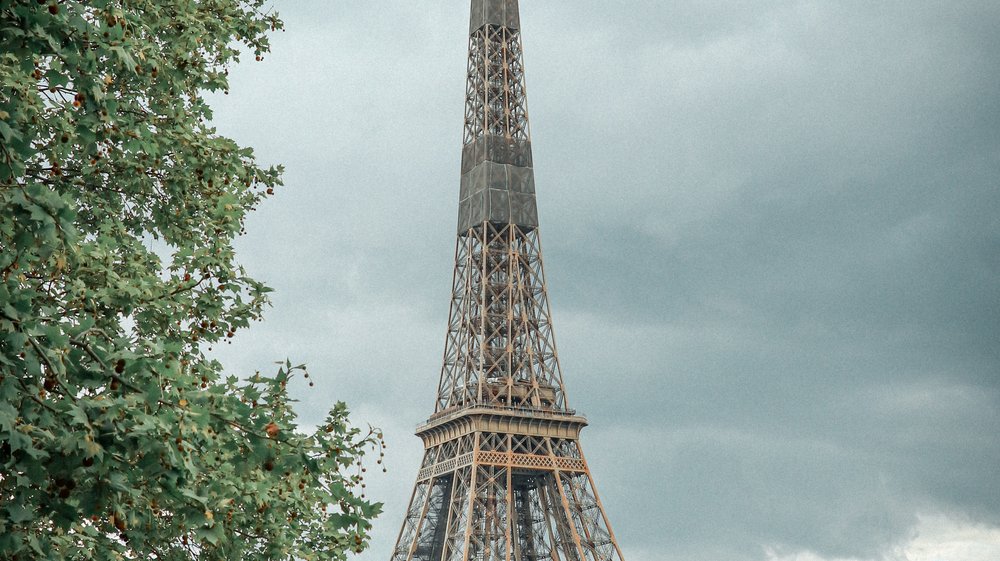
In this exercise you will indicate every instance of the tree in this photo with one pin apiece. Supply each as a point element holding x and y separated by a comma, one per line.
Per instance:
<point>119,437</point>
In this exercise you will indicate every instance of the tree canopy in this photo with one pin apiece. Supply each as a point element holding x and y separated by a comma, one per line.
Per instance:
<point>120,437</point>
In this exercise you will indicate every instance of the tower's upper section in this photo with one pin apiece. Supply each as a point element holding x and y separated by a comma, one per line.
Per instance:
<point>500,351</point>
<point>498,183</point>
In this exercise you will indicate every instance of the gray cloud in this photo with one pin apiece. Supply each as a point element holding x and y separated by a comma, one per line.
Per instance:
<point>771,242</point>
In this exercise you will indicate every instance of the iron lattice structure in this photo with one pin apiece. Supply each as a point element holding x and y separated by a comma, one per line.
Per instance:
<point>503,476</point>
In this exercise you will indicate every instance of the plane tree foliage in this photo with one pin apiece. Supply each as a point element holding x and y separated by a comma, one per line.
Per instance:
<point>120,437</point>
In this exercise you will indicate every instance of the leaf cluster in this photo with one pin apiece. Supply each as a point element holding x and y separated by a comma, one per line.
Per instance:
<point>119,436</point>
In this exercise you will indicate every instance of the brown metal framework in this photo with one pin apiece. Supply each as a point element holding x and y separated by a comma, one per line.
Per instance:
<point>503,476</point>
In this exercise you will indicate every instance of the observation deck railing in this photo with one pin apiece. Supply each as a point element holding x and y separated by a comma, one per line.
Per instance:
<point>458,411</point>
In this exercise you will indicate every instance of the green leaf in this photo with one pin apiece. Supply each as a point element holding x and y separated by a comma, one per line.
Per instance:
<point>19,513</point>
<point>8,133</point>
<point>212,535</point>
<point>7,416</point>
<point>124,57</point>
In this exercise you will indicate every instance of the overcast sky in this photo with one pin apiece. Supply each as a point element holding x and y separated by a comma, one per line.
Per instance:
<point>772,242</point>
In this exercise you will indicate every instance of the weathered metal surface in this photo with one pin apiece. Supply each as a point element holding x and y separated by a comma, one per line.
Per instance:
<point>502,13</point>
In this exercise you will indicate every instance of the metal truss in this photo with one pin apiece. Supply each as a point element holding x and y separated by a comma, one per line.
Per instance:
<point>515,497</point>
<point>500,349</point>
<point>495,97</point>
<point>503,476</point>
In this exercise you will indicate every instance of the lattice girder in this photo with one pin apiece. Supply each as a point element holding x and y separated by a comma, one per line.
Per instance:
<point>500,349</point>
<point>521,494</point>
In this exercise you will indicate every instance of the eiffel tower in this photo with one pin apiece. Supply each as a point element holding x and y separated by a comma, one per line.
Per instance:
<point>503,475</point>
